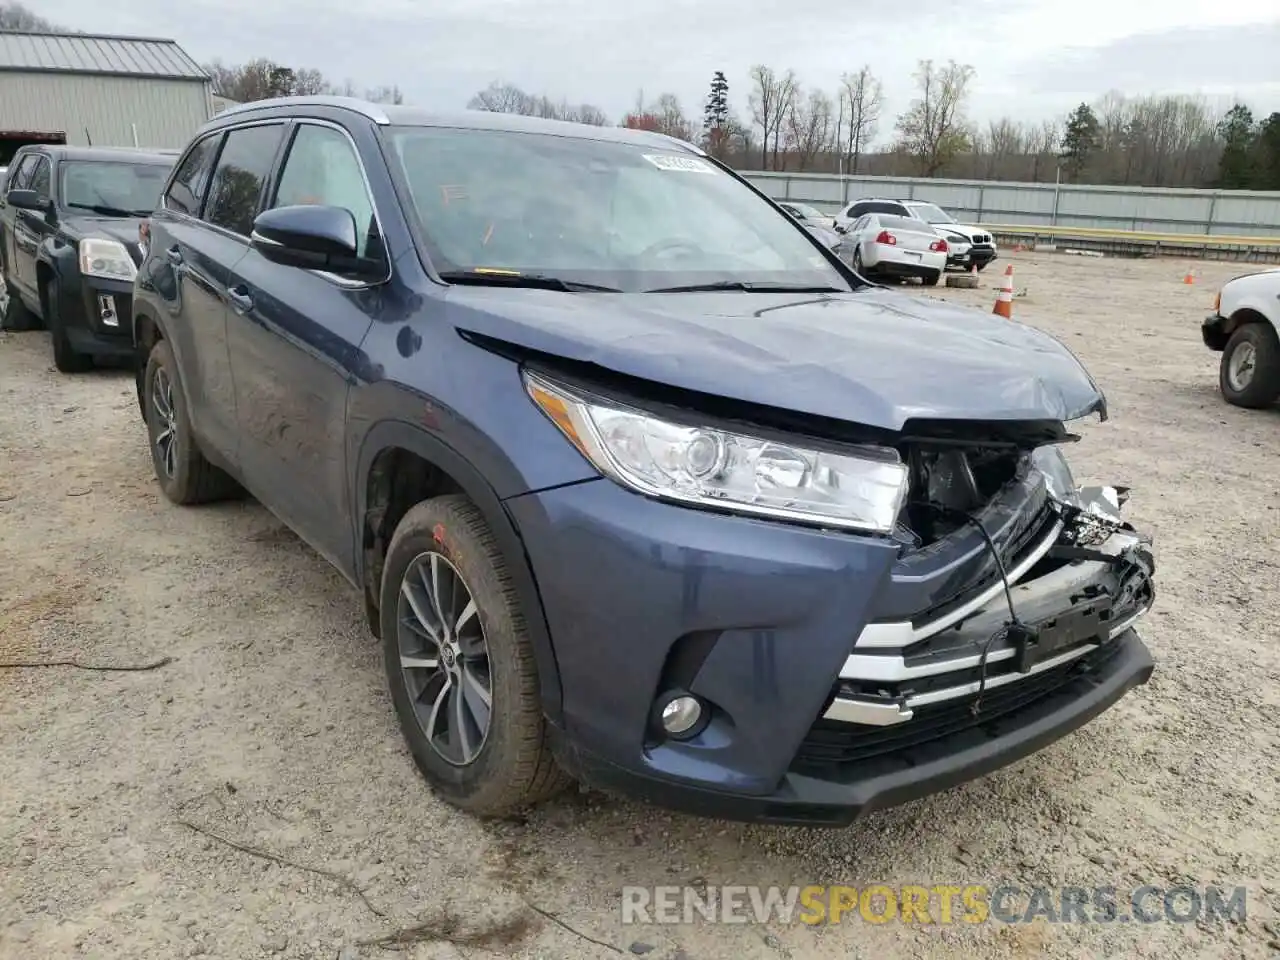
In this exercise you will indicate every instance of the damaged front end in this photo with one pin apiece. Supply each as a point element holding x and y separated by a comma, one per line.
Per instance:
<point>1012,583</point>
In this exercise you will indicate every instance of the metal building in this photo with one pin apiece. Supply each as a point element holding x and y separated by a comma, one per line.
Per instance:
<point>98,90</point>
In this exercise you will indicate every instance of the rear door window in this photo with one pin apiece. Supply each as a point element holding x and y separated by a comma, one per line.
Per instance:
<point>186,193</point>
<point>243,167</point>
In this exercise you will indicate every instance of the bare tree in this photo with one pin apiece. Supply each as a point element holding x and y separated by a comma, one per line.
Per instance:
<point>933,129</point>
<point>788,97</point>
<point>809,127</point>
<point>766,110</point>
<point>501,97</point>
<point>16,16</point>
<point>862,95</point>
<point>671,118</point>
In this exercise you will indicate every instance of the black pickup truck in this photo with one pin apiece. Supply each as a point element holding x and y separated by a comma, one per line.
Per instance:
<point>70,244</point>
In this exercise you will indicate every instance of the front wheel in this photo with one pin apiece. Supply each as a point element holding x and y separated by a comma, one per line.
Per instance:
<point>65,357</point>
<point>460,664</point>
<point>1249,374</point>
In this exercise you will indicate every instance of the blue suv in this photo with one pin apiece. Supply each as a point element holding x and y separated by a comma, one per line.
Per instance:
<point>641,484</point>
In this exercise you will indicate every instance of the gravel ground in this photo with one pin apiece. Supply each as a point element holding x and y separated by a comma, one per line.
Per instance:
<point>271,728</point>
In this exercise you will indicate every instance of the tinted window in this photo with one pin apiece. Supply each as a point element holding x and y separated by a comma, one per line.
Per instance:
<point>40,178</point>
<point>237,181</point>
<point>322,167</point>
<point>881,206</point>
<point>619,214</point>
<point>22,175</point>
<point>187,190</point>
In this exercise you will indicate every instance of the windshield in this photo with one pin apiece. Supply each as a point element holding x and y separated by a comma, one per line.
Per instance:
<point>617,215</point>
<point>932,214</point>
<point>113,186</point>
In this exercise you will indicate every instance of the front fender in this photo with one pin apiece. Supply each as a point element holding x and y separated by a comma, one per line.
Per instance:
<point>393,433</point>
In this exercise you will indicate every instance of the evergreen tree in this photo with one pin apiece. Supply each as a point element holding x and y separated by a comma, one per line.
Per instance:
<point>1235,167</point>
<point>1266,165</point>
<point>1079,140</point>
<point>715,118</point>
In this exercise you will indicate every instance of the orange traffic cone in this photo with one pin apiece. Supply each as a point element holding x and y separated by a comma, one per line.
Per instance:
<point>1189,277</point>
<point>1004,299</point>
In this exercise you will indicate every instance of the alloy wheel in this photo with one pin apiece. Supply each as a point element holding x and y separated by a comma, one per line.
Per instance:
<point>166,440</point>
<point>444,658</point>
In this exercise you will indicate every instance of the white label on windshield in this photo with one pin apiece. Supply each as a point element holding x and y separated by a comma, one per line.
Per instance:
<point>665,161</point>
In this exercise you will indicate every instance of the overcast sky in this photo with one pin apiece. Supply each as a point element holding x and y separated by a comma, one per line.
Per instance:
<point>1034,58</point>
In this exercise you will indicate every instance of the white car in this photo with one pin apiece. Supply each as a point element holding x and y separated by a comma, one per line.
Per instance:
<point>1243,327</point>
<point>969,245</point>
<point>807,214</point>
<point>882,245</point>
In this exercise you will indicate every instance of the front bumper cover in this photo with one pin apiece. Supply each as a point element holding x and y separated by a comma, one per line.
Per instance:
<point>774,625</point>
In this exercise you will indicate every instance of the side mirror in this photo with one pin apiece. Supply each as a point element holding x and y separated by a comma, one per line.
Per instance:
<point>312,237</point>
<point>28,200</point>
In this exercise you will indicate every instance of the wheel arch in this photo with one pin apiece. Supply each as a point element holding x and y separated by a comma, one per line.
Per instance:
<point>399,465</point>
<point>147,330</point>
<point>1244,315</point>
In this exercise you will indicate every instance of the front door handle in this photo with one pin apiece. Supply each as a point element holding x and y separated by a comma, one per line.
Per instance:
<point>241,302</point>
<point>174,255</point>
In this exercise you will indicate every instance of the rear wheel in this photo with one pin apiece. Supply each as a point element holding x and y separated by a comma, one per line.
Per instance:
<point>1249,374</point>
<point>65,357</point>
<point>185,476</point>
<point>931,279</point>
<point>857,262</point>
<point>460,664</point>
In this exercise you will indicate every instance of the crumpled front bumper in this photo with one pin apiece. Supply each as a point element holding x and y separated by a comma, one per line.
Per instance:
<point>830,693</point>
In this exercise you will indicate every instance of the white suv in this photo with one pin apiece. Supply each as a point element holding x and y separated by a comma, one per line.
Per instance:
<point>968,245</point>
<point>1243,325</point>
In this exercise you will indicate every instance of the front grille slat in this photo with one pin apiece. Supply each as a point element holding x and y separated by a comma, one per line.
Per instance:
<point>832,746</point>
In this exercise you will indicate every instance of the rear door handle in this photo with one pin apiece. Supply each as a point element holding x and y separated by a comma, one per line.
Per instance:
<point>241,302</point>
<point>174,254</point>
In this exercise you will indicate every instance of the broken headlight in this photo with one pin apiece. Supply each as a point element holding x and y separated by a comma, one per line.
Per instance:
<point>1058,479</point>
<point>858,488</point>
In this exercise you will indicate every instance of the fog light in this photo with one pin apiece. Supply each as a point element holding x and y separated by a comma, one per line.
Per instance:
<point>681,714</point>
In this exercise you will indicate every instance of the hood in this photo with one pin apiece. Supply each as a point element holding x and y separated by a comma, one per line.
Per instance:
<point>874,357</point>
<point>107,228</point>
<point>965,230</point>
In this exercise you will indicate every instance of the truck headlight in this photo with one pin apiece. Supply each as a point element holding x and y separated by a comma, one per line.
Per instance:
<point>107,259</point>
<point>857,488</point>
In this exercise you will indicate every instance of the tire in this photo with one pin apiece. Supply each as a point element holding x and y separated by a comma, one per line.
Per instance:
<point>65,357</point>
<point>511,766</point>
<point>184,475</point>
<point>931,280</point>
<point>858,268</point>
<point>1258,384</point>
<point>16,315</point>
<point>983,265</point>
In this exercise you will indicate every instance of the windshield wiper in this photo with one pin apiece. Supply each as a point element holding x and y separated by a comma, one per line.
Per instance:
<point>108,211</point>
<point>749,286</point>
<point>539,281</point>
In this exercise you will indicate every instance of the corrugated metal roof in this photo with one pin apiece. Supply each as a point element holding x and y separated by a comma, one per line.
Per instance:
<point>82,53</point>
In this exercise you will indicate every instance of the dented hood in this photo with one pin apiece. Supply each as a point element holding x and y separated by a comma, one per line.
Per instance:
<point>875,357</point>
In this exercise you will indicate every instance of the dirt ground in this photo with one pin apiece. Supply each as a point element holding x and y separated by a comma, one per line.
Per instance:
<point>124,796</point>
